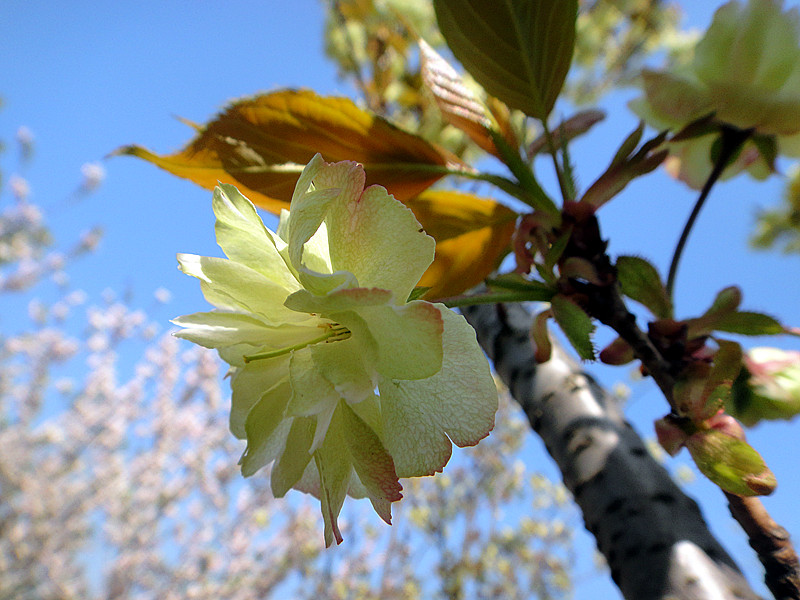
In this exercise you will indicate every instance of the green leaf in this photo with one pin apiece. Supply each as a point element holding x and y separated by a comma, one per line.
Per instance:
<point>417,293</point>
<point>576,324</point>
<point>726,301</point>
<point>517,283</point>
<point>723,316</point>
<point>731,463</point>
<point>749,323</point>
<point>725,304</point>
<point>640,281</point>
<point>628,146</point>
<point>518,50</point>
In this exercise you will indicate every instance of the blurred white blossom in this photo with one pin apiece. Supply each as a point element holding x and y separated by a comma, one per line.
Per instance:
<point>93,176</point>
<point>20,188</point>
<point>163,295</point>
<point>25,140</point>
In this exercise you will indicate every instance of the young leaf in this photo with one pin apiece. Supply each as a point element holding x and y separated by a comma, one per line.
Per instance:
<point>702,388</point>
<point>576,325</point>
<point>262,143</point>
<point>568,130</point>
<point>640,281</point>
<point>618,352</point>
<point>724,306</point>
<point>458,104</point>
<point>727,364</point>
<point>504,121</point>
<point>627,147</point>
<point>472,236</point>
<point>725,302</point>
<point>749,323</point>
<point>518,50</point>
<point>627,164</point>
<point>540,337</point>
<point>731,463</point>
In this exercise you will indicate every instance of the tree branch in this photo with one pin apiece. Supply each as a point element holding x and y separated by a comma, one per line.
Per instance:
<point>653,536</point>
<point>772,544</point>
<point>770,541</point>
<point>664,359</point>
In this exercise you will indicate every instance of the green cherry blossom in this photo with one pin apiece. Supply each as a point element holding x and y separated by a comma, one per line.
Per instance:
<point>745,72</point>
<point>768,387</point>
<point>336,379</point>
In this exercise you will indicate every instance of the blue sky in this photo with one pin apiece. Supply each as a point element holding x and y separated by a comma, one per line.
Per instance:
<point>87,77</point>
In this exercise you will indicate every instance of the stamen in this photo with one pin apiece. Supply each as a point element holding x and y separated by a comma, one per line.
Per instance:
<point>334,333</point>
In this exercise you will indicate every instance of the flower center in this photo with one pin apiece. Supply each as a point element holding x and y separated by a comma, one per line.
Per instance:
<point>333,332</point>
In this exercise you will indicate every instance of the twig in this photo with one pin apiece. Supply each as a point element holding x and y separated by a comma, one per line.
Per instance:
<point>732,140</point>
<point>772,544</point>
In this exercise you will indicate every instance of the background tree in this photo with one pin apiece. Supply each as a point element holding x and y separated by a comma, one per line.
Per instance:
<point>522,54</point>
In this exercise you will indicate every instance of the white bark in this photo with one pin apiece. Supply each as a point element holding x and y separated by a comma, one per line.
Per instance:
<point>653,536</point>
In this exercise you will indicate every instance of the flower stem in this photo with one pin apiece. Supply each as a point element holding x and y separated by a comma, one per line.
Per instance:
<point>337,332</point>
<point>731,142</point>
<point>491,298</point>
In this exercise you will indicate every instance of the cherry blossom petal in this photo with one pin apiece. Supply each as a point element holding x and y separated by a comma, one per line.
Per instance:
<point>266,429</point>
<point>459,401</point>
<point>244,239</point>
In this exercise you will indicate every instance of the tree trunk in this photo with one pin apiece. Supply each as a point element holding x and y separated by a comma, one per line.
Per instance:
<point>652,535</point>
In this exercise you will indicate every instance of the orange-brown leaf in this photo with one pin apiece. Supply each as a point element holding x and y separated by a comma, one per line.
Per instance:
<point>458,104</point>
<point>262,143</point>
<point>472,236</point>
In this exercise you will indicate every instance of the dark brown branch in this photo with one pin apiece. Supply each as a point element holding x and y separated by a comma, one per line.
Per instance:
<point>772,544</point>
<point>615,314</point>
